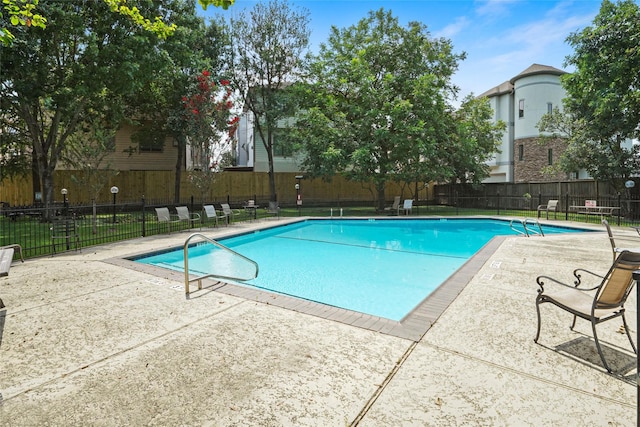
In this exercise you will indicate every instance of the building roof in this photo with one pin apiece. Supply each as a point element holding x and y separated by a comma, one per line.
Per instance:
<point>502,88</point>
<point>507,86</point>
<point>538,69</point>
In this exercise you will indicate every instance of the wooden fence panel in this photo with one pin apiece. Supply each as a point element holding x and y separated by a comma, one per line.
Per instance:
<point>236,186</point>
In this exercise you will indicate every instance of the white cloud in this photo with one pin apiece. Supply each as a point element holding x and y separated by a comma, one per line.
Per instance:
<point>494,8</point>
<point>454,28</point>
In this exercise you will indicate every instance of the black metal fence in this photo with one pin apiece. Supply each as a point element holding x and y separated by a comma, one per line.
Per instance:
<point>32,226</point>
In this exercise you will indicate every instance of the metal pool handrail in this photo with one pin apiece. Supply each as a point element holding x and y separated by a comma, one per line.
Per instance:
<point>218,276</point>
<point>526,231</point>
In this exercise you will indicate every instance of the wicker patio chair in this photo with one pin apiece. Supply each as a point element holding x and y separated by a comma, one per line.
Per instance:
<point>597,304</point>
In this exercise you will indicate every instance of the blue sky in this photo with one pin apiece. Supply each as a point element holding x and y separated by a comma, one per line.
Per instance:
<point>501,37</point>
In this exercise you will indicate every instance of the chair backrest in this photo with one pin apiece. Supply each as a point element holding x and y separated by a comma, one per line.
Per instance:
<point>63,227</point>
<point>163,214</point>
<point>408,204</point>
<point>183,212</point>
<point>251,203</point>
<point>618,282</point>
<point>226,209</point>
<point>552,205</point>
<point>396,202</point>
<point>210,211</point>
<point>273,207</point>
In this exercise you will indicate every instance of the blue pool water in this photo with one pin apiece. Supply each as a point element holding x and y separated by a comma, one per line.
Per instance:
<point>379,267</point>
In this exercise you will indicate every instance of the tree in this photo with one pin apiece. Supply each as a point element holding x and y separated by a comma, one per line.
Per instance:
<point>157,104</point>
<point>604,160</point>
<point>377,108</point>
<point>208,123</point>
<point>266,50</point>
<point>475,140</point>
<point>604,90</point>
<point>21,12</point>
<point>77,68</point>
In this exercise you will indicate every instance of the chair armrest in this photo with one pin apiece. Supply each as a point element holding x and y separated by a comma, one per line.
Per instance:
<point>542,280</point>
<point>578,275</point>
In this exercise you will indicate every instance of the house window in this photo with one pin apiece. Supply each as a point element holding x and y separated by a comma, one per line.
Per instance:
<point>521,108</point>
<point>549,107</point>
<point>550,156</point>
<point>521,152</point>
<point>148,140</point>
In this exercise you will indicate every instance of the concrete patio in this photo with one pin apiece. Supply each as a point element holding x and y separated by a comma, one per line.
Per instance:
<point>87,340</point>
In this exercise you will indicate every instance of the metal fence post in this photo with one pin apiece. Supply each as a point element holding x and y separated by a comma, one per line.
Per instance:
<point>144,230</point>
<point>620,207</point>
<point>455,201</point>
<point>498,201</point>
<point>566,207</point>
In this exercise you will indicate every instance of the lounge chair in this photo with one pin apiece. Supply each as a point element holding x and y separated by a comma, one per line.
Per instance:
<point>211,213</point>
<point>164,217</point>
<point>6,258</point>
<point>230,213</point>
<point>407,206</point>
<point>395,207</point>
<point>186,216</point>
<point>597,304</point>
<point>66,230</point>
<point>273,209</point>
<point>615,248</point>
<point>251,209</point>
<point>551,206</point>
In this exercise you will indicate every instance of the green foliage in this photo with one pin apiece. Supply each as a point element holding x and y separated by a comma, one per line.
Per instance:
<point>19,12</point>
<point>475,141</point>
<point>604,91</point>
<point>217,3</point>
<point>87,151</point>
<point>207,117</point>
<point>157,26</point>
<point>267,45</point>
<point>76,70</point>
<point>377,105</point>
<point>602,109</point>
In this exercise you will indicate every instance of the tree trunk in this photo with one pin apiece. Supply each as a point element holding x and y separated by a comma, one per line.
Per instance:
<point>380,190</point>
<point>180,160</point>
<point>36,182</point>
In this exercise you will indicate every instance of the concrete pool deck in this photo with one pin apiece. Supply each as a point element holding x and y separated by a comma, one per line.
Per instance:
<point>87,340</point>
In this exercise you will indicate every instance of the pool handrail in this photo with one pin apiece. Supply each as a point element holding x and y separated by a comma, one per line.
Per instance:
<point>217,276</point>
<point>526,231</point>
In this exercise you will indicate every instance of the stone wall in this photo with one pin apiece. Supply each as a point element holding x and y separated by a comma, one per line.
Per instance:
<point>535,158</point>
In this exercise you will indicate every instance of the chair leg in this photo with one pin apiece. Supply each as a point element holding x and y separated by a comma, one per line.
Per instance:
<point>573,324</point>
<point>595,337</point>
<point>538,331</point>
<point>626,329</point>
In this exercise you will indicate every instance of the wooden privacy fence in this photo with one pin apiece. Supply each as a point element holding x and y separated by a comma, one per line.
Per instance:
<point>228,185</point>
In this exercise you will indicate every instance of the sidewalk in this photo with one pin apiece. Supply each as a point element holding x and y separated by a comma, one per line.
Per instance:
<point>86,342</point>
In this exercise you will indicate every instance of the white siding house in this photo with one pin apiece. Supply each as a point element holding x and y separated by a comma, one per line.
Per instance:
<point>520,103</point>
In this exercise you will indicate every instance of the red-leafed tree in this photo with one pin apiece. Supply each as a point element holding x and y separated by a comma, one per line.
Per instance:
<point>209,124</point>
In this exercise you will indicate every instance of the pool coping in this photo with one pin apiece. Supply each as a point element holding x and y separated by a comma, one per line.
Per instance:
<point>412,327</point>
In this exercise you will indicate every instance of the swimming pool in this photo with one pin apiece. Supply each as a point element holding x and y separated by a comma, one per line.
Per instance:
<point>381,267</point>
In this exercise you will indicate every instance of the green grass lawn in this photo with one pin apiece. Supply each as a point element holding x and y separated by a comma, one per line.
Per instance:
<point>35,236</point>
